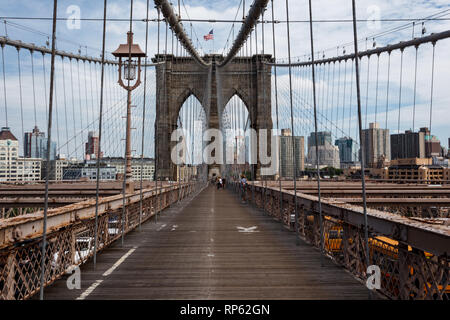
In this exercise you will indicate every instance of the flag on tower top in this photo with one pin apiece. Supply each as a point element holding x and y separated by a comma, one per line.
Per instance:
<point>209,36</point>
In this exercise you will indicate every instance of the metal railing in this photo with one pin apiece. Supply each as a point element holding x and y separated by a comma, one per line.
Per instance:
<point>70,240</point>
<point>412,255</point>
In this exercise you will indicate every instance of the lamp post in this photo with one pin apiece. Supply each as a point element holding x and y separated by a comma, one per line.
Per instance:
<point>133,53</point>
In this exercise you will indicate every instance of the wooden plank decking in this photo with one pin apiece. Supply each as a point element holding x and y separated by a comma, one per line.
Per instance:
<point>213,247</point>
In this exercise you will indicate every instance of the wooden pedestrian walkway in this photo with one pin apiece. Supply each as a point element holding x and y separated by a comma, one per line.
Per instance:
<point>211,247</point>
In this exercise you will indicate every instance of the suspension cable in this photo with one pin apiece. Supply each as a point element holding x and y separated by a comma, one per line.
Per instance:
<point>20,91</point>
<point>432,83</point>
<point>65,103</point>
<point>4,85</point>
<point>400,98</point>
<point>100,123</point>
<point>294,158</point>
<point>34,91</point>
<point>322,242</point>
<point>363,179</point>
<point>73,103</point>
<point>49,130</point>
<point>276,99</point>
<point>376,90</point>
<point>387,90</point>
<point>367,89</point>
<point>143,118</point>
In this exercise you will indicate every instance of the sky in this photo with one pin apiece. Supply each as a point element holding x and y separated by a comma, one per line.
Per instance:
<point>330,39</point>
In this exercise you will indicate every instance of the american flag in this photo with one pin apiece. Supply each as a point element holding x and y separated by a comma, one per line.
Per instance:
<point>209,36</point>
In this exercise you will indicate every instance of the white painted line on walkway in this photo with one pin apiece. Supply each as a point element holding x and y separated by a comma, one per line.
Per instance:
<point>92,287</point>
<point>161,227</point>
<point>89,290</point>
<point>119,262</point>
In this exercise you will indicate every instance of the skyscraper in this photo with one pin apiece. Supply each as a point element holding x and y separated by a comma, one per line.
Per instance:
<point>328,156</point>
<point>432,144</point>
<point>91,146</point>
<point>286,168</point>
<point>328,153</point>
<point>375,145</point>
<point>347,150</point>
<point>323,138</point>
<point>35,145</point>
<point>408,145</point>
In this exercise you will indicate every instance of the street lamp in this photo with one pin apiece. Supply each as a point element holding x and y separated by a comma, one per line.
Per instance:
<point>133,54</point>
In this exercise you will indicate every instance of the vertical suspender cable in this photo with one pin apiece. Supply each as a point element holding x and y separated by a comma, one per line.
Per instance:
<point>100,123</point>
<point>45,87</point>
<point>73,109</point>
<point>34,91</point>
<point>387,90</point>
<point>156,146</point>
<point>376,90</point>
<point>343,99</point>
<point>143,117</point>
<point>432,83</point>
<point>400,99</point>
<point>165,98</point>
<point>315,131</point>
<point>49,130</point>
<point>20,91</point>
<point>415,89</point>
<point>264,99</point>
<point>294,160</point>
<point>276,99</point>
<point>358,94</point>
<point>79,100</point>
<point>127,138</point>
<point>65,105</point>
<point>367,89</point>
<point>4,85</point>
<point>350,105</point>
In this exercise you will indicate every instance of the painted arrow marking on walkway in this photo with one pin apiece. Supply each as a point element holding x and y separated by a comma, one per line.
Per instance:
<point>247,230</point>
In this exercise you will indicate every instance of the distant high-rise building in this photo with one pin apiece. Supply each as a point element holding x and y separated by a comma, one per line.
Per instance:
<point>328,156</point>
<point>347,150</point>
<point>408,145</point>
<point>13,168</point>
<point>375,145</point>
<point>35,145</point>
<point>432,144</point>
<point>91,146</point>
<point>286,163</point>
<point>323,138</point>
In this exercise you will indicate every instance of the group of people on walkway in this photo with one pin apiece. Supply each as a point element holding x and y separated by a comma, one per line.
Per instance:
<point>219,182</point>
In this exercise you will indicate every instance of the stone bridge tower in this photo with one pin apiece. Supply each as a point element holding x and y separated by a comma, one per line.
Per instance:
<point>180,77</point>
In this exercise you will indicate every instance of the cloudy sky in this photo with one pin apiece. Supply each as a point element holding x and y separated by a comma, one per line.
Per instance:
<point>331,38</point>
